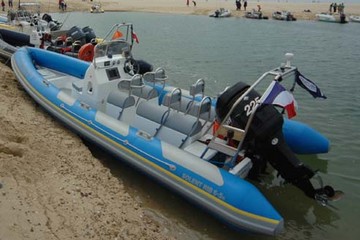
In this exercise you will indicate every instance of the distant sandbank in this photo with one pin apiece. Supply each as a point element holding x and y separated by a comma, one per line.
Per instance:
<point>203,7</point>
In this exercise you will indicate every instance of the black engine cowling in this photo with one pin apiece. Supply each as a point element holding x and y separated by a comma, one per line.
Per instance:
<point>265,137</point>
<point>267,120</point>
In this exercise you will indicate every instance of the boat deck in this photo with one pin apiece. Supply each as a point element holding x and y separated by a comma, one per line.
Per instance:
<point>170,121</point>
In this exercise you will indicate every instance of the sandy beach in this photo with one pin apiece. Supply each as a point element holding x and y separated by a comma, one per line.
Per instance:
<point>51,186</point>
<point>204,7</point>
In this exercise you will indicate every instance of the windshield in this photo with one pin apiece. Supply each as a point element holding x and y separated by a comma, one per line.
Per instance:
<point>112,48</point>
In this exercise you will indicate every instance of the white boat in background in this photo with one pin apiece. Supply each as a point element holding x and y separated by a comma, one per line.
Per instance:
<point>29,14</point>
<point>96,8</point>
<point>221,13</point>
<point>283,15</point>
<point>354,18</point>
<point>332,17</point>
<point>255,15</point>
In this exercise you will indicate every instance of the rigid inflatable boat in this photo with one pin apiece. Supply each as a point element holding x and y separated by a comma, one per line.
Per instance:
<point>332,17</point>
<point>255,15</point>
<point>354,18</point>
<point>221,13</point>
<point>96,8</point>
<point>203,151</point>
<point>283,16</point>
<point>67,42</point>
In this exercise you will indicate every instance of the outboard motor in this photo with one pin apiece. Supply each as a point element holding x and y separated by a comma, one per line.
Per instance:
<point>76,33</point>
<point>89,34</point>
<point>264,141</point>
<point>53,26</point>
<point>47,17</point>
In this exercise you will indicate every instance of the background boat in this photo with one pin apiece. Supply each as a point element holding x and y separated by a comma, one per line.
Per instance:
<point>354,18</point>
<point>283,15</point>
<point>333,17</point>
<point>221,13</point>
<point>255,15</point>
<point>96,8</point>
<point>29,14</point>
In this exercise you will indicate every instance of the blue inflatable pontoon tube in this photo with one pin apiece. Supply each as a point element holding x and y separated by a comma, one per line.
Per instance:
<point>302,139</point>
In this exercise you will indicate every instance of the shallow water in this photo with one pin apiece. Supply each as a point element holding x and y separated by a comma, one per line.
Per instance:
<point>224,51</point>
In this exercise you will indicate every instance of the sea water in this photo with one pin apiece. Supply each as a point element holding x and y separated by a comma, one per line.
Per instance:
<point>225,51</point>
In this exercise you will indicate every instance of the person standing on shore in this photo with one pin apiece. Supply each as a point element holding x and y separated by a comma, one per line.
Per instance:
<point>237,2</point>
<point>187,2</point>
<point>10,3</point>
<point>3,5</point>
<point>331,8</point>
<point>245,5</point>
<point>341,8</point>
<point>334,7</point>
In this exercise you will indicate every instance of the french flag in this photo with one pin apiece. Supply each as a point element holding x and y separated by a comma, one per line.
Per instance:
<point>277,95</point>
<point>135,37</point>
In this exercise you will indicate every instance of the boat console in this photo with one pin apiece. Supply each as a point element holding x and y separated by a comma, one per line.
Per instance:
<point>111,65</point>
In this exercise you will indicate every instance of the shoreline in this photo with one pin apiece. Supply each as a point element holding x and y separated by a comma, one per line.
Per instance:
<point>203,7</point>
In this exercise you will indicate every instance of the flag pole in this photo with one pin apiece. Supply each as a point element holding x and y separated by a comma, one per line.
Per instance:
<point>278,72</point>
<point>251,117</point>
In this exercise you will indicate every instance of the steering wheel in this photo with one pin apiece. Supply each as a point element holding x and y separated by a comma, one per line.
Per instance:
<point>131,66</point>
